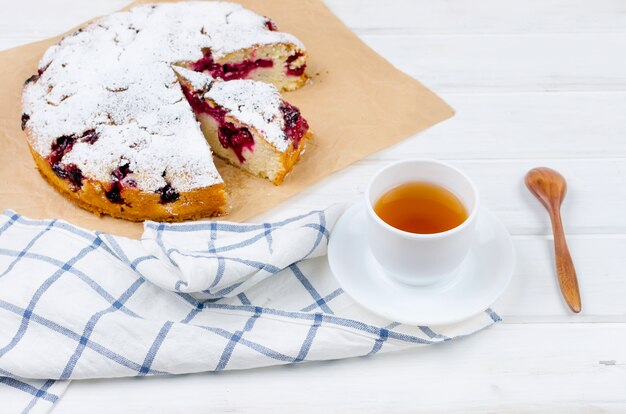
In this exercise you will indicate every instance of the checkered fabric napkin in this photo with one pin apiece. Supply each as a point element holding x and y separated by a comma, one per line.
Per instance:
<point>186,298</point>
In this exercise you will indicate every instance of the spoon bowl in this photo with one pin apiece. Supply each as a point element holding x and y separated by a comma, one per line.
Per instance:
<point>547,185</point>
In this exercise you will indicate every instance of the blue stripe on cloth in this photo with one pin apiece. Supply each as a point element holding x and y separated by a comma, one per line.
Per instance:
<point>235,338</point>
<point>198,227</point>
<point>12,219</point>
<point>372,329</point>
<point>102,350</point>
<point>116,248</point>
<point>494,316</point>
<point>392,325</point>
<point>5,373</point>
<point>325,300</point>
<point>192,314</point>
<point>198,306</point>
<point>221,267</point>
<point>82,276</point>
<point>261,349</point>
<point>252,263</point>
<point>268,236</point>
<point>212,238</point>
<point>26,315</point>
<point>26,248</point>
<point>239,244</point>
<point>243,298</point>
<point>327,318</point>
<point>140,260</point>
<point>22,386</point>
<point>221,293</point>
<point>38,396</point>
<point>296,218</point>
<point>60,225</point>
<point>224,226</point>
<point>378,344</point>
<point>308,341</point>
<point>90,237</point>
<point>228,335</point>
<point>179,285</point>
<point>161,245</point>
<point>145,368</point>
<point>432,334</point>
<point>309,287</point>
<point>322,232</point>
<point>190,299</point>
<point>91,325</point>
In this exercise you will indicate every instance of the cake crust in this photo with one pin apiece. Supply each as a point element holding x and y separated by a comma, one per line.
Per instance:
<point>138,205</point>
<point>291,157</point>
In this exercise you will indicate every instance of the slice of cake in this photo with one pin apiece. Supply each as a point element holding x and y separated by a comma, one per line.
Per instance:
<point>110,127</point>
<point>247,123</point>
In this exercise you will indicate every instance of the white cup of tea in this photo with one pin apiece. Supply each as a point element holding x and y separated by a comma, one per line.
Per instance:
<point>412,257</point>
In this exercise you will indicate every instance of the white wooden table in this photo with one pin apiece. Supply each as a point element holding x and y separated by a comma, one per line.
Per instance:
<point>535,82</point>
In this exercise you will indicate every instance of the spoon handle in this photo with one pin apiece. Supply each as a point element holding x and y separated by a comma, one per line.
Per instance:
<point>564,265</point>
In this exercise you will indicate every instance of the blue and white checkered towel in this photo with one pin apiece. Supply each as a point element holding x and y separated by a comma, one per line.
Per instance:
<point>185,298</point>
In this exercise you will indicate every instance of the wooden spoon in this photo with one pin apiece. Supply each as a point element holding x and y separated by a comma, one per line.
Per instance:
<point>550,187</point>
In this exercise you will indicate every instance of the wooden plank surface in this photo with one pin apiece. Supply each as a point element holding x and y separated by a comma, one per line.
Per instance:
<point>583,62</point>
<point>482,17</point>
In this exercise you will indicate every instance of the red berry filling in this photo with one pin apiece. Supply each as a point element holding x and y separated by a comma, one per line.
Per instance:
<point>235,138</point>
<point>228,134</point>
<point>114,193</point>
<point>271,26</point>
<point>229,71</point>
<point>121,172</point>
<point>25,119</point>
<point>298,71</point>
<point>90,136</point>
<point>60,147</point>
<point>168,194</point>
<point>33,78</point>
<point>36,76</point>
<point>71,173</point>
<point>295,124</point>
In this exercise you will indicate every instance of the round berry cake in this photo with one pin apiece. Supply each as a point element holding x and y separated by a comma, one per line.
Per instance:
<point>124,115</point>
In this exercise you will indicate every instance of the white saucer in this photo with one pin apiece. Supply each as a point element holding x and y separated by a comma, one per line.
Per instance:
<point>482,278</point>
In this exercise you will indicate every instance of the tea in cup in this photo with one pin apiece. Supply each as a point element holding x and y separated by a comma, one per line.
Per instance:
<point>421,217</point>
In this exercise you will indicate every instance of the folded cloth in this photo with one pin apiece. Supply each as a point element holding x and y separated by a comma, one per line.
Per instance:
<point>190,297</point>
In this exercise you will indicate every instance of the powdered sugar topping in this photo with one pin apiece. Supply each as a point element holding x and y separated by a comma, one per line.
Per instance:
<point>115,76</point>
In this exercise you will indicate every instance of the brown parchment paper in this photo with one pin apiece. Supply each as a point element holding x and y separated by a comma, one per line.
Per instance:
<point>357,103</point>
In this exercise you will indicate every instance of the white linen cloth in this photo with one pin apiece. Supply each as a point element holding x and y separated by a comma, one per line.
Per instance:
<point>190,297</point>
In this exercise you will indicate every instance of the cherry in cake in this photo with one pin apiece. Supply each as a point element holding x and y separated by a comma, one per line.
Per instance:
<point>281,65</point>
<point>229,71</point>
<point>112,126</point>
